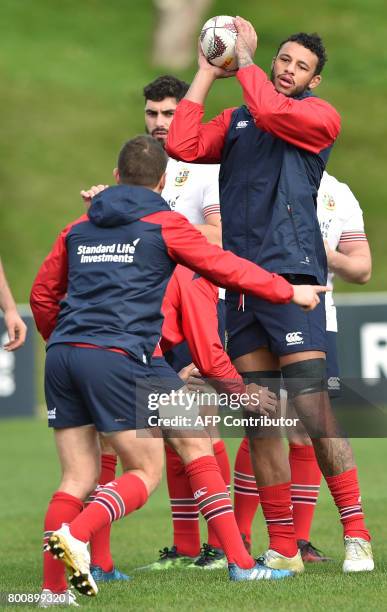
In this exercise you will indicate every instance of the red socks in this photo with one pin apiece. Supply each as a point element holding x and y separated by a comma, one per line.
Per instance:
<point>185,511</point>
<point>112,502</point>
<point>100,542</point>
<point>63,508</point>
<point>246,496</point>
<point>277,509</point>
<point>223,462</point>
<point>214,503</point>
<point>345,491</point>
<point>306,478</point>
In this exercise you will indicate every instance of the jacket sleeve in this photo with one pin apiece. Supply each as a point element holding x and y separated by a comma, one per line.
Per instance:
<point>188,246</point>
<point>191,140</point>
<point>50,286</point>
<point>171,332</point>
<point>199,300</point>
<point>310,123</point>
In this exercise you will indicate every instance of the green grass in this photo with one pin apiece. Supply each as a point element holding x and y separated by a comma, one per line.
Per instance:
<point>72,74</point>
<point>30,475</point>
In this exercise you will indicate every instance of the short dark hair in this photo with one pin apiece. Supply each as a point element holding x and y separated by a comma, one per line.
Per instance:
<point>142,161</point>
<point>166,86</point>
<point>314,43</point>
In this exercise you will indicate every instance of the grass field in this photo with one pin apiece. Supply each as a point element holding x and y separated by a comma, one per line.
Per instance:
<point>30,474</point>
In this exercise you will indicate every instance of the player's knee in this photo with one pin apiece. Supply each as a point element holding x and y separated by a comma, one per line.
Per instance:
<point>305,377</point>
<point>151,475</point>
<point>190,449</point>
<point>264,378</point>
<point>78,485</point>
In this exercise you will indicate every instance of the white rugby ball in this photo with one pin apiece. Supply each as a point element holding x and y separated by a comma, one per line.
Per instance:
<point>217,38</point>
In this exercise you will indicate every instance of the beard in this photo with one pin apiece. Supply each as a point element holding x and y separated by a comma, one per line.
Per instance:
<point>297,91</point>
<point>158,137</point>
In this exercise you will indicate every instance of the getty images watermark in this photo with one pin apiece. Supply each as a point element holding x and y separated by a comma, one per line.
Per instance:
<point>186,409</point>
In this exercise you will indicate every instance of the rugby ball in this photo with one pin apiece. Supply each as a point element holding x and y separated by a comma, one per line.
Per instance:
<point>217,38</point>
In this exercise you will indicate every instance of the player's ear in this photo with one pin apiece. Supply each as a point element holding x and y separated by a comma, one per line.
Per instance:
<point>116,175</point>
<point>161,184</point>
<point>315,81</point>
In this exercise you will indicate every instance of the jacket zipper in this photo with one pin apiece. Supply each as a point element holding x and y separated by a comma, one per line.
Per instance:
<point>294,225</point>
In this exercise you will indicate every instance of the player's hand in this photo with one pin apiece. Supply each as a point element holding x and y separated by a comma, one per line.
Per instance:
<point>267,400</point>
<point>246,43</point>
<point>88,194</point>
<point>192,377</point>
<point>214,71</point>
<point>306,296</point>
<point>16,328</point>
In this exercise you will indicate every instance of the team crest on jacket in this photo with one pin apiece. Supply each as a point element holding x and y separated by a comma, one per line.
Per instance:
<point>329,202</point>
<point>181,177</point>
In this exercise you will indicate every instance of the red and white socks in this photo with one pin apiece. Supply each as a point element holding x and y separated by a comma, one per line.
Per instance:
<point>214,503</point>
<point>112,502</point>
<point>63,508</point>
<point>100,542</point>
<point>246,496</point>
<point>185,511</point>
<point>306,479</point>
<point>345,491</point>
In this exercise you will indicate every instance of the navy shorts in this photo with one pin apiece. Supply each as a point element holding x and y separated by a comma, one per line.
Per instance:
<point>283,328</point>
<point>86,386</point>
<point>180,356</point>
<point>333,371</point>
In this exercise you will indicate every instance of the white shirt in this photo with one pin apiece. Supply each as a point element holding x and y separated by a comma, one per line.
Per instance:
<point>341,220</point>
<point>192,189</point>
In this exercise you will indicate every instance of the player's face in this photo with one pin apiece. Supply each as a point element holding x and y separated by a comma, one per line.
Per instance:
<point>158,118</point>
<point>293,69</point>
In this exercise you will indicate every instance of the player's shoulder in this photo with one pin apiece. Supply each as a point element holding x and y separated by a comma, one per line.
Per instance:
<point>338,193</point>
<point>82,219</point>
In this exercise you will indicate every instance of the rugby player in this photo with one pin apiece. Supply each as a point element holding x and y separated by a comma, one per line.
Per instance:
<point>273,151</point>
<point>348,253</point>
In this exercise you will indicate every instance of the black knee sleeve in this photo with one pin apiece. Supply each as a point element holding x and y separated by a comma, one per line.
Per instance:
<point>264,378</point>
<point>305,377</point>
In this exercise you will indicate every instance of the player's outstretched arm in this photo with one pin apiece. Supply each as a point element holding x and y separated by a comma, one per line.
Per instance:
<point>187,246</point>
<point>306,296</point>
<point>16,328</point>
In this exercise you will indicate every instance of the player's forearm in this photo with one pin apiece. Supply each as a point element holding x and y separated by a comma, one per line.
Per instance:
<point>213,233</point>
<point>353,269</point>
<point>200,86</point>
<point>7,303</point>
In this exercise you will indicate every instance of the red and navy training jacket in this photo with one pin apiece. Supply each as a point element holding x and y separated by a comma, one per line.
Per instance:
<point>191,315</point>
<point>104,281</point>
<point>273,151</point>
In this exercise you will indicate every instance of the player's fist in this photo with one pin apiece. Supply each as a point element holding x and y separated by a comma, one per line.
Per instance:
<point>246,42</point>
<point>262,401</point>
<point>306,296</point>
<point>16,328</point>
